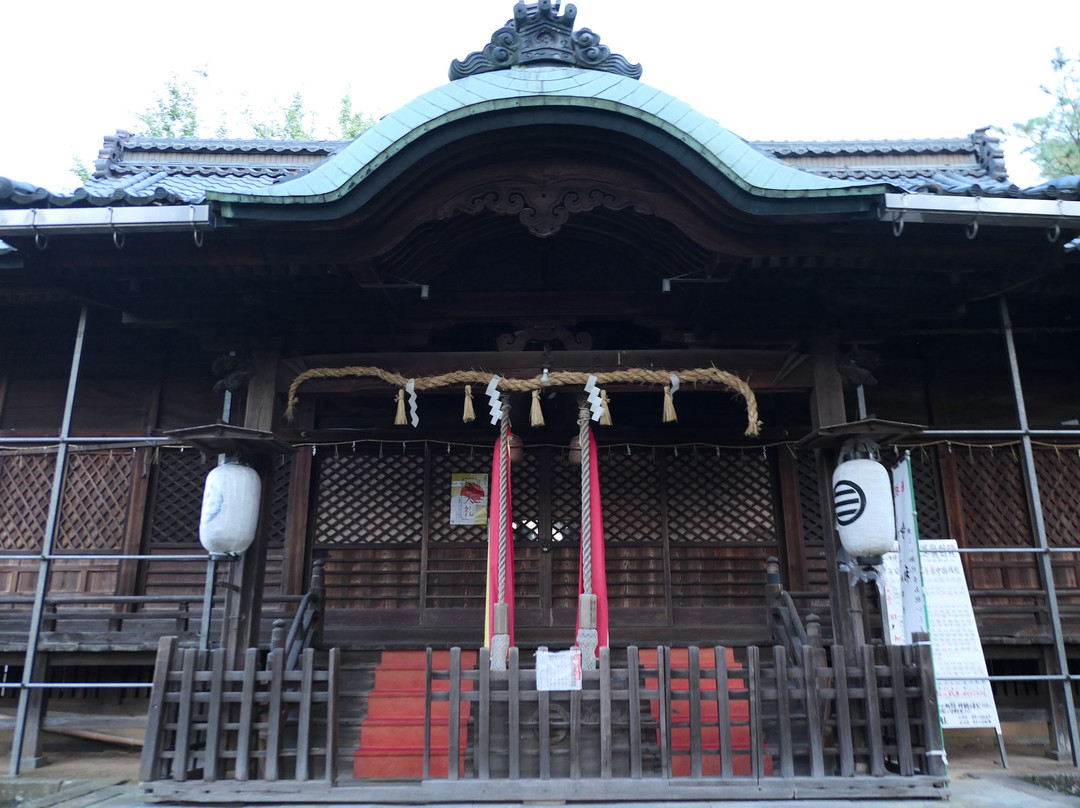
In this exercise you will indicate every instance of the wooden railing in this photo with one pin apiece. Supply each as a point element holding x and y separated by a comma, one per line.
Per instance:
<point>264,721</point>
<point>753,721</point>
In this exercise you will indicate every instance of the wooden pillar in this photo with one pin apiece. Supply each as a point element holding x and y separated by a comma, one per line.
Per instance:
<point>296,552</point>
<point>5,370</point>
<point>128,570</point>
<point>827,409</point>
<point>243,601</point>
<point>794,554</point>
<point>33,752</point>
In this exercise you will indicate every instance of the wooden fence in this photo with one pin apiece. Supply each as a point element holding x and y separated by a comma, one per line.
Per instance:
<point>265,722</point>
<point>756,724</point>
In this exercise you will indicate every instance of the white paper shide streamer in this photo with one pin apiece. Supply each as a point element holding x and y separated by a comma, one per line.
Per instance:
<point>862,497</point>
<point>410,391</point>
<point>596,403</point>
<point>494,403</point>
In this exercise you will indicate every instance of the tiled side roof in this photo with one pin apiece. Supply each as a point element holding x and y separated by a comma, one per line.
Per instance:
<point>970,165</point>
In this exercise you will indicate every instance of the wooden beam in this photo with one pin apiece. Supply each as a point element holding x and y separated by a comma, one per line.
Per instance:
<point>259,407</point>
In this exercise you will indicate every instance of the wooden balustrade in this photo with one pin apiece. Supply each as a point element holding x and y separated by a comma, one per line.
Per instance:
<point>264,722</point>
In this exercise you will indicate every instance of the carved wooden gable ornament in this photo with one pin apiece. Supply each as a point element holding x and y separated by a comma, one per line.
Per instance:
<point>538,35</point>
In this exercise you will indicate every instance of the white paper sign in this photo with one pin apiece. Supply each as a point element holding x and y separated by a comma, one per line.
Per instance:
<point>558,670</point>
<point>907,538</point>
<point>964,695</point>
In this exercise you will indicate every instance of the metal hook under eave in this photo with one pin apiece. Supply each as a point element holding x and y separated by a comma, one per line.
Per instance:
<point>1053,233</point>
<point>41,241</point>
<point>898,227</point>
<point>972,229</point>
<point>119,239</point>
<point>194,228</point>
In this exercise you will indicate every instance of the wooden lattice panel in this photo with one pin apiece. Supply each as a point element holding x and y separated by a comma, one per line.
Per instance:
<point>994,504</point>
<point>525,493</point>
<point>630,494</point>
<point>444,465</point>
<point>565,502</point>
<point>365,499</point>
<point>1058,473</point>
<point>926,479</point>
<point>279,504</point>
<point>178,498</point>
<point>995,513</point>
<point>720,497</point>
<point>97,492</point>
<point>25,486</point>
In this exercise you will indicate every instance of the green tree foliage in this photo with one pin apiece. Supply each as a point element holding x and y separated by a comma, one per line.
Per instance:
<point>291,123</point>
<point>175,111</point>
<point>80,170</point>
<point>1055,136</point>
<point>350,123</point>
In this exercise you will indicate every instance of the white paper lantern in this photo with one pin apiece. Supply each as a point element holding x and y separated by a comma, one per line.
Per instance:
<point>863,502</point>
<point>230,509</point>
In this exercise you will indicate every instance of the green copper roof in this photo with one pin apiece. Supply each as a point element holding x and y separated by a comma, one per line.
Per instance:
<point>547,87</point>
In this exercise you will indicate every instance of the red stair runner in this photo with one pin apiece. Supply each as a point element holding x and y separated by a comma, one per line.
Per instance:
<point>710,736</point>
<point>392,733</point>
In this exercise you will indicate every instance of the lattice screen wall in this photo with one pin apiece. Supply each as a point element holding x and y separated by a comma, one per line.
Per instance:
<point>697,525</point>
<point>25,486</point>
<point>93,510</point>
<point>1006,587</point>
<point>176,501</point>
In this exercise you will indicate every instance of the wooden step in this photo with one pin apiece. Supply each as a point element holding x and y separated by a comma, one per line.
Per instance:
<point>391,743</point>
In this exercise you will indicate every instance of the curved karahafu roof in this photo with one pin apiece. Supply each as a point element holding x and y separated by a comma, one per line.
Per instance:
<point>588,97</point>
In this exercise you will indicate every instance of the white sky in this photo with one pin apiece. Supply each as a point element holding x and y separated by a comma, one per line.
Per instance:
<point>781,70</point>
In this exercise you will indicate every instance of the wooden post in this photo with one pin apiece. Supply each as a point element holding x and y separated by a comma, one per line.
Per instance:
<point>453,751</point>
<point>844,738</point>
<point>243,602</point>
<point>150,768</point>
<point>826,409</point>
<point>295,553</point>
<point>794,548</point>
<point>244,597</point>
<point>333,683</point>
<point>33,756</point>
<point>932,740</point>
<point>723,711</point>
<point>634,696</point>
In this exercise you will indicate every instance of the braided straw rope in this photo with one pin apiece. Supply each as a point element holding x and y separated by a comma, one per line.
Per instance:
<point>561,378</point>
<point>586,501</point>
